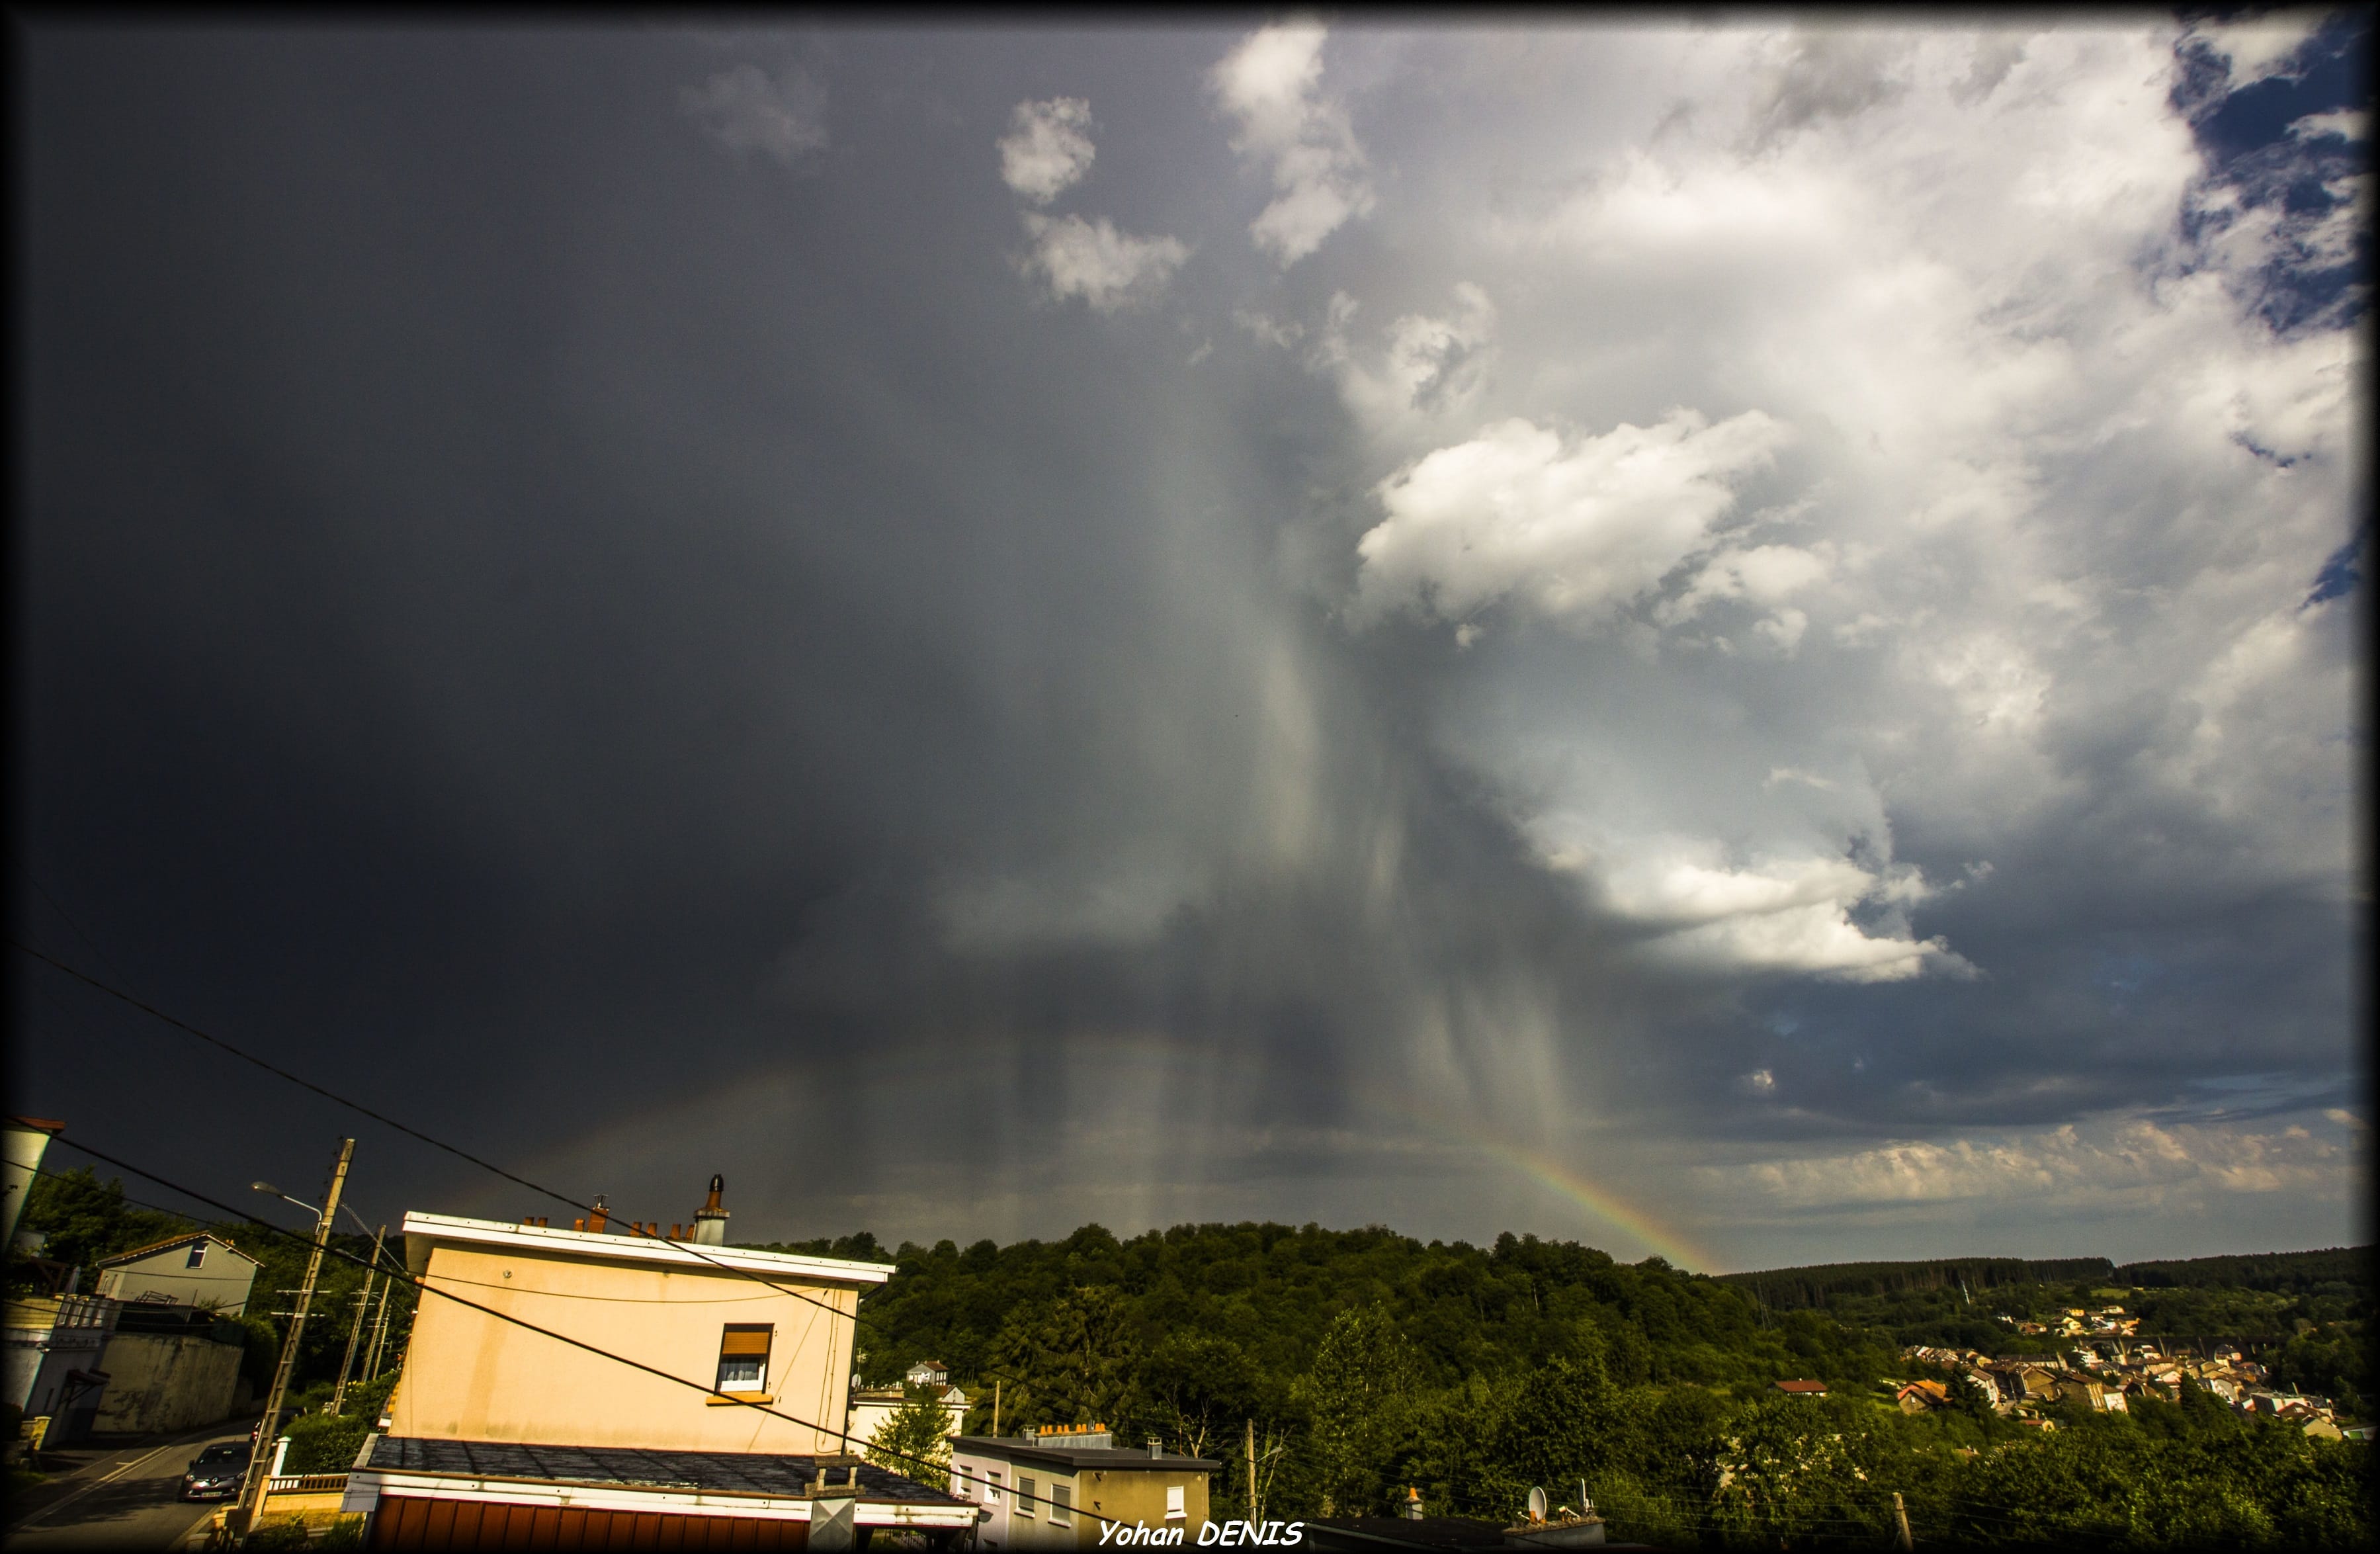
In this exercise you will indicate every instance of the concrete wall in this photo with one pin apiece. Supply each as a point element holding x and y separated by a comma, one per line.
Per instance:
<point>166,1382</point>
<point>41,1354</point>
<point>471,1376</point>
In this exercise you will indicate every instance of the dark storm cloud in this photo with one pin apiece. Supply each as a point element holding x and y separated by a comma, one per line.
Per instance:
<point>531,611</point>
<point>613,593</point>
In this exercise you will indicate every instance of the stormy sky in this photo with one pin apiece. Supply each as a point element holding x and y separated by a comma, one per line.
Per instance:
<point>1736,639</point>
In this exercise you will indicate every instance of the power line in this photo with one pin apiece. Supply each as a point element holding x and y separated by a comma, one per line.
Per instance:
<point>366,1111</point>
<point>423,1286</point>
<point>66,917</point>
<point>274,1069</point>
<point>184,1214</point>
<point>361,1109</point>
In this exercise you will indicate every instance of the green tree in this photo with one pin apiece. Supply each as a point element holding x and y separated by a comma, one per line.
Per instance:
<point>1359,1394</point>
<point>917,1435</point>
<point>1969,1399</point>
<point>1073,1360</point>
<point>1554,1431</point>
<point>86,1219</point>
<point>1200,1388</point>
<point>1805,1465</point>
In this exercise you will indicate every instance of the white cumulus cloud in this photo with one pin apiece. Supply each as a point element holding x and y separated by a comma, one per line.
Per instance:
<point>1048,147</point>
<point>1776,914</point>
<point>1271,85</point>
<point>2261,47</point>
<point>1110,269</point>
<point>1571,527</point>
<point>2141,1162</point>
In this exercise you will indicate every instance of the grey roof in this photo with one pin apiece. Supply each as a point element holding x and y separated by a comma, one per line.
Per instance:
<point>731,1472</point>
<point>1107,1459</point>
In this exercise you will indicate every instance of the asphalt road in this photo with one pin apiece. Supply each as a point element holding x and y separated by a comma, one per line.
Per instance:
<point>128,1499</point>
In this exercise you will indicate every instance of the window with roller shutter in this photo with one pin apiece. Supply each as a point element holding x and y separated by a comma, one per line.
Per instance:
<point>743,1357</point>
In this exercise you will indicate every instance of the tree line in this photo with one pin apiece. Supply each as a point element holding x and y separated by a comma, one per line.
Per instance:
<point>1373,1367</point>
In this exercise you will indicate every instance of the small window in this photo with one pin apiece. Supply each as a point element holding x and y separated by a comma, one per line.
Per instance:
<point>1023,1496</point>
<point>1062,1505</point>
<point>1175,1511</point>
<point>743,1357</point>
<point>992,1487</point>
<point>198,1255</point>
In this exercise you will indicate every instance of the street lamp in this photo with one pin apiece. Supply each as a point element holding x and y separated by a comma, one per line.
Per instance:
<point>269,1190</point>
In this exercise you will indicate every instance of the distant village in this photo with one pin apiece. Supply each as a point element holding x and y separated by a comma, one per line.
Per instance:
<point>2099,1358</point>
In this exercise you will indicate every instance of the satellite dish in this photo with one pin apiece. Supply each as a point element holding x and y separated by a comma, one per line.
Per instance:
<point>1536,1505</point>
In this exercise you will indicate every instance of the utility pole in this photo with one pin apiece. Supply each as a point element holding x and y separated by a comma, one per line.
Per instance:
<point>995,1408</point>
<point>380,1332</point>
<point>363,1304</point>
<point>1901,1520</point>
<point>259,1456</point>
<point>1252,1471</point>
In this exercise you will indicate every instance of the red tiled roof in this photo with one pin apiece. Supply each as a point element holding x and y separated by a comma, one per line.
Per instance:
<point>1801,1386</point>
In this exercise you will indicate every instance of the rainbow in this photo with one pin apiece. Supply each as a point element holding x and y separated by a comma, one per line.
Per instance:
<point>1599,1202</point>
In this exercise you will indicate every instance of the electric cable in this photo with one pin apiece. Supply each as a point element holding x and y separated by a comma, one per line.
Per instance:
<point>457,1152</point>
<point>690,1248</point>
<point>423,1286</point>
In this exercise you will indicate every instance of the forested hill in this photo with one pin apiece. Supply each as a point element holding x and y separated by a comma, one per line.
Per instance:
<point>1269,1292</point>
<point>1791,1289</point>
<point>2283,1272</point>
<point>1788,1289</point>
<point>1370,1366</point>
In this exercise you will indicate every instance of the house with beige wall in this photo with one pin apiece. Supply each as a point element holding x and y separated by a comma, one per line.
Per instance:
<point>640,1376</point>
<point>782,1339</point>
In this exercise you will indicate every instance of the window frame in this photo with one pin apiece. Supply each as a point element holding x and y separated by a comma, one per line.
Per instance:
<point>197,1257</point>
<point>1023,1497</point>
<point>1177,1502</point>
<point>1062,1504</point>
<point>992,1485</point>
<point>741,1354</point>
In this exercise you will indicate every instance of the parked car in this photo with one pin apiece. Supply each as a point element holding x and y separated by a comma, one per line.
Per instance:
<point>216,1472</point>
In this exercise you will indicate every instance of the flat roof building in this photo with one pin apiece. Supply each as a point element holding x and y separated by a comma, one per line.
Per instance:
<point>1057,1490</point>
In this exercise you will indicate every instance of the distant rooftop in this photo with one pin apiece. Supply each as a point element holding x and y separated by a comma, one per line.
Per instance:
<point>1104,1458</point>
<point>170,1242</point>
